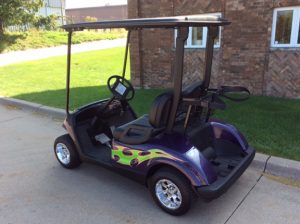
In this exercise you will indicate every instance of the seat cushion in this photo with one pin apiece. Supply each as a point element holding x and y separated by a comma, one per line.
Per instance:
<point>142,121</point>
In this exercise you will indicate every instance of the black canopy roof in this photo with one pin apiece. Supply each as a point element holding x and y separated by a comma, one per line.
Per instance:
<point>158,22</point>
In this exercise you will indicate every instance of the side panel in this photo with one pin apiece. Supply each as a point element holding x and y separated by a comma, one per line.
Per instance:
<point>196,178</point>
<point>68,125</point>
<point>230,133</point>
<point>141,159</point>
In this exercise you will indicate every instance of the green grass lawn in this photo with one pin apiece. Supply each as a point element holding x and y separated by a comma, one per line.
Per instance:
<point>44,81</point>
<point>270,124</point>
<point>13,41</point>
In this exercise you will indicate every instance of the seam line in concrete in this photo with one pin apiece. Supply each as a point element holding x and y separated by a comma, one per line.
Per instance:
<point>266,164</point>
<point>244,198</point>
<point>12,119</point>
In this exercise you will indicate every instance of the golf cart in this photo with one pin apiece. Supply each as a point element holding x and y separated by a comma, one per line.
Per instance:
<point>177,150</point>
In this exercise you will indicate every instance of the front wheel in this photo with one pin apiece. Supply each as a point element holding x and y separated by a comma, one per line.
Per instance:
<point>171,191</point>
<point>65,152</point>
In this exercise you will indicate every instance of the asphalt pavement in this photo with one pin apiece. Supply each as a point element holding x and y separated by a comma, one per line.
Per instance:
<point>34,188</point>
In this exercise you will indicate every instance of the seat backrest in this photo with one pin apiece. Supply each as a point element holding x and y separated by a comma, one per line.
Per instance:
<point>193,90</point>
<point>160,110</point>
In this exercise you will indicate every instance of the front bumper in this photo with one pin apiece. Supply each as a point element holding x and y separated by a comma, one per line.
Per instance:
<point>221,185</point>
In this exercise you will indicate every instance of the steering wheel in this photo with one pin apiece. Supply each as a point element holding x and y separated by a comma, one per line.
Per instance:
<point>121,88</point>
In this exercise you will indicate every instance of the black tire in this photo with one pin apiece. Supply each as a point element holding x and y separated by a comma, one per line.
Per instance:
<point>67,141</point>
<point>182,183</point>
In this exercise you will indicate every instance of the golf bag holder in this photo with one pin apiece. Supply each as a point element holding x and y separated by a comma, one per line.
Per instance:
<point>212,101</point>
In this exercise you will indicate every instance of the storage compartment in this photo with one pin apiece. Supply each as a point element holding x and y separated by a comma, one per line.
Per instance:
<point>226,156</point>
<point>223,152</point>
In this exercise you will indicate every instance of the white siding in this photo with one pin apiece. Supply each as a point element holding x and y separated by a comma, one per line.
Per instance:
<point>51,7</point>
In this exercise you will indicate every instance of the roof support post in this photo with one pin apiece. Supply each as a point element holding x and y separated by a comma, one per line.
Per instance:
<point>68,71</point>
<point>182,35</point>
<point>126,53</point>
<point>213,32</point>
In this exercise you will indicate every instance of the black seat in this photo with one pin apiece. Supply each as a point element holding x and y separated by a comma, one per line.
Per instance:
<point>142,129</point>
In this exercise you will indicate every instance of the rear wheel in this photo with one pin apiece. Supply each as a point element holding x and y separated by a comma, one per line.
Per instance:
<point>171,191</point>
<point>65,152</point>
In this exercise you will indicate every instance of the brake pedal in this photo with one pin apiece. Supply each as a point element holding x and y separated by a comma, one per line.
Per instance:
<point>103,139</point>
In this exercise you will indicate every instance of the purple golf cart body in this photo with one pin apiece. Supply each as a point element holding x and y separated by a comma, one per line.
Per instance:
<point>177,150</point>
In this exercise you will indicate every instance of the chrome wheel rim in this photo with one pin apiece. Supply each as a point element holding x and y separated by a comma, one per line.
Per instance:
<point>168,194</point>
<point>63,153</point>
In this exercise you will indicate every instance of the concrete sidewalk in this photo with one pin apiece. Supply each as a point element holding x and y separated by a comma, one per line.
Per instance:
<point>36,189</point>
<point>35,54</point>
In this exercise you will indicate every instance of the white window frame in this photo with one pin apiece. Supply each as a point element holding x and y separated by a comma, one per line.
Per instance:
<point>295,27</point>
<point>204,40</point>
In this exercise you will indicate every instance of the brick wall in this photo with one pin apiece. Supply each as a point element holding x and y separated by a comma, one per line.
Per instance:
<point>245,57</point>
<point>282,73</point>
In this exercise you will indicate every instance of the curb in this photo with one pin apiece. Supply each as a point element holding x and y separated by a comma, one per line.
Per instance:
<point>283,167</point>
<point>34,107</point>
<point>268,164</point>
<point>277,166</point>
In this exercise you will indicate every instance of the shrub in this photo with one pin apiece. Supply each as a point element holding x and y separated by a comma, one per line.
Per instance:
<point>90,19</point>
<point>46,22</point>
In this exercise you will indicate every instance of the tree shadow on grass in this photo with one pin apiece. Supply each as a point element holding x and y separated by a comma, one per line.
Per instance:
<point>8,39</point>
<point>80,96</point>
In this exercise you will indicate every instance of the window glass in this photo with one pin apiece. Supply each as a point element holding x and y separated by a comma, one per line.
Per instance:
<point>284,27</point>
<point>197,36</point>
